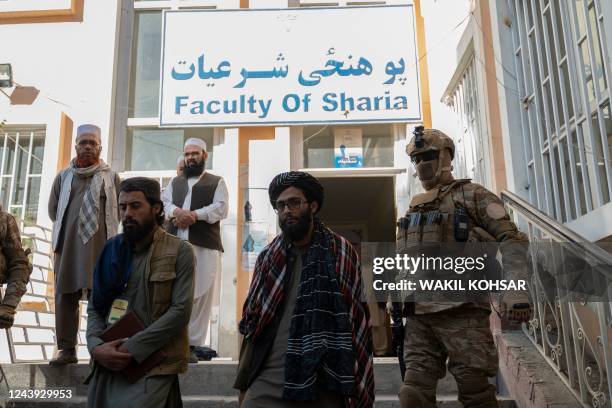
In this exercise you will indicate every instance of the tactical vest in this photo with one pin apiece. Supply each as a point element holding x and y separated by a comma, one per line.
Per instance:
<point>202,193</point>
<point>436,217</point>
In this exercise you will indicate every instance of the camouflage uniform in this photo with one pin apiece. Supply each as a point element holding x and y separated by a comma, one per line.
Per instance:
<point>15,268</point>
<point>443,329</point>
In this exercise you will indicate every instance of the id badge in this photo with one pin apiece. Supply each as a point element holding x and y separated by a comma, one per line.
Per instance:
<point>118,310</point>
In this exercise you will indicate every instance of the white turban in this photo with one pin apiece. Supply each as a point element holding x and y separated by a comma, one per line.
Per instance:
<point>180,159</point>
<point>194,141</point>
<point>89,130</point>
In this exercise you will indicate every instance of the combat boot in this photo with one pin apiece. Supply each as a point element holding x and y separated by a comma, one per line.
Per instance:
<point>515,307</point>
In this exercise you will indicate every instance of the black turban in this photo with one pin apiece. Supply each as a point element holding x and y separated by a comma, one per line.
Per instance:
<point>149,187</point>
<point>312,188</point>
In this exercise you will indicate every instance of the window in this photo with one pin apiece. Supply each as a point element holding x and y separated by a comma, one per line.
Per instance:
<point>21,158</point>
<point>559,50</point>
<point>158,149</point>
<point>320,146</point>
<point>597,152</point>
<point>570,182</point>
<point>146,59</point>
<point>147,147</point>
<point>600,71</point>
<point>467,106</point>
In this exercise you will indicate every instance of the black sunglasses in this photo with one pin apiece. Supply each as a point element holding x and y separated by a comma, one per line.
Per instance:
<point>427,156</point>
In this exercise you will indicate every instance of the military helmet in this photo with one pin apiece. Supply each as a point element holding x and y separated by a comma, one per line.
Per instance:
<point>426,140</point>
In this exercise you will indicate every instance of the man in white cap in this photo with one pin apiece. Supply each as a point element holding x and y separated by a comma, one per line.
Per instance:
<point>83,208</point>
<point>195,202</point>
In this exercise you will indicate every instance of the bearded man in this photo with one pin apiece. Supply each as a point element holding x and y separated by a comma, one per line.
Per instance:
<point>148,272</point>
<point>83,208</point>
<point>195,202</point>
<point>307,339</point>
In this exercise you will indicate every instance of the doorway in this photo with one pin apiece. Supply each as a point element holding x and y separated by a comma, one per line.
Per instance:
<point>360,208</point>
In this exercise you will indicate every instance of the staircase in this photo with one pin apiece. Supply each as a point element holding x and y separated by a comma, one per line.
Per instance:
<point>571,327</point>
<point>207,384</point>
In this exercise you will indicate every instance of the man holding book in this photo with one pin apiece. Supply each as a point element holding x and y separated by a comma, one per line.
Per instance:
<point>140,307</point>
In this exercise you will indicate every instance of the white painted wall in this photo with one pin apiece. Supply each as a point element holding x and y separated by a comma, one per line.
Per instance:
<point>72,66</point>
<point>442,34</point>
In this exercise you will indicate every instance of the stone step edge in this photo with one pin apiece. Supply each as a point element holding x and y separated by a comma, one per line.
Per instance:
<point>228,398</point>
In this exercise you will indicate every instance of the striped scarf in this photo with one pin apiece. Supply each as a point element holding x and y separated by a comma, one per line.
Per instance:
<point>330,342</point>
<point>90,208</point>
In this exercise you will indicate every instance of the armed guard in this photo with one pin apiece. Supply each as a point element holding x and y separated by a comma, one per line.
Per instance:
<point>15,268</point>
<point>452,211</point>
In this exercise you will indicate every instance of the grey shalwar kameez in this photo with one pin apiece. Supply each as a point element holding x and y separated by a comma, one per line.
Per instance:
<point>73,262</point>
<point>109,388</point>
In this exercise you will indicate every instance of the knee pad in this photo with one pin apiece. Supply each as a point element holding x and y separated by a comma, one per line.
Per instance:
<point>418,391</point>
<point>476,392</point>
<point>413,397</point>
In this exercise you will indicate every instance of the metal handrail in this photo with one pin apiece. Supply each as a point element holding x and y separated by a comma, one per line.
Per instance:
<point>563,332</point>
<point>556,229</point>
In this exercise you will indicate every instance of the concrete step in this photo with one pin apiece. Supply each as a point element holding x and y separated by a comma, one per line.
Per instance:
<point>208,378</point>
<point>382,401</point>
<point>444,401</point>
<point>206,384</point>
<point>217,378</point>
<point>44,376</point>
<point>388,379</point>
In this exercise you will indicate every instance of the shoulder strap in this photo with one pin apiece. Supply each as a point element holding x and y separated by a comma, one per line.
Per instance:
<point>449,188</point>
<point>446,197</point>
<point>424,198</point>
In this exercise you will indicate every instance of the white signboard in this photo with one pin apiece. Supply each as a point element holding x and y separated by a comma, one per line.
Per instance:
<point>290,66</point>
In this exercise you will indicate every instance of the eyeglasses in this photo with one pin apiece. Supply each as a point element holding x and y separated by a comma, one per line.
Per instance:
<point>291,204</point>
<point>427,156</point>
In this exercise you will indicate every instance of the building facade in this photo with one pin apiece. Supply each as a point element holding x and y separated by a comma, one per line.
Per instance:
<point>531,90</point>
<point>102,65</point>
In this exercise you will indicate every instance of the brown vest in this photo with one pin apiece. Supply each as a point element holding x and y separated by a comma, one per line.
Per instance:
<point>161,274</point>
<point>201,233</point>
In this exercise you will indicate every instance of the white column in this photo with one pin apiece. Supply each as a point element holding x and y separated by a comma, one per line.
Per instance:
<point>226,327</point>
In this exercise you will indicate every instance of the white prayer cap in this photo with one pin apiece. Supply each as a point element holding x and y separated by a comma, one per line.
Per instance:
<point>180,159</point>
<point>89,130</point>
<point>194,141</point>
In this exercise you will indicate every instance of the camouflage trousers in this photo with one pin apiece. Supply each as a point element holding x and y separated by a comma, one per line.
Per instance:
<point>463,337</point>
